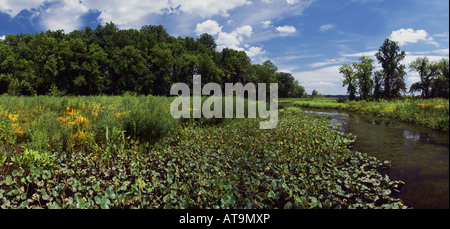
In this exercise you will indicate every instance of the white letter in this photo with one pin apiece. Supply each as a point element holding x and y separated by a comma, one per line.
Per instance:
<point>197,98</point>
<point>215,100</point>
<point>184,99</point>
<point>240,99</point>
<point>273,112</point>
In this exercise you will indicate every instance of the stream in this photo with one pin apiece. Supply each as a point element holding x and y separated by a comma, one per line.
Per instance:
<point>419,155</point>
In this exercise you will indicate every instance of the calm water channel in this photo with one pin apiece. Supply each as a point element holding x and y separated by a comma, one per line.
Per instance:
<point>419,155</point>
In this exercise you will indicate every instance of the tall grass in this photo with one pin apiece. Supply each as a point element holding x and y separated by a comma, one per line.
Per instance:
<point>46,123</point>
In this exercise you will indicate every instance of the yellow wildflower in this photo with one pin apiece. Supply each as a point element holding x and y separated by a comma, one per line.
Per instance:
<point>18,130</point>
<point>423,105</point>
<point>439,106</point>
<point>13,117</point>
<point>78,120</point>
<point>63,121</point>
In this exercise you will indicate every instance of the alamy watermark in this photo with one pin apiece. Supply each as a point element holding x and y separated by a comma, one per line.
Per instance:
<point>215,101</point>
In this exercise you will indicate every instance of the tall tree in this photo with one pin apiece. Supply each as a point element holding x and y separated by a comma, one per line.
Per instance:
<point>364,76</point>
<point>350,80</point>
<point>440,85</point>
<point>207,41</point>
<point>422,66</point>
<point>377,85</point>
<point>389,56</point>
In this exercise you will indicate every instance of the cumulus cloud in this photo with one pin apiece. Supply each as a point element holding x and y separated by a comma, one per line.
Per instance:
<point>286,30</point>
<point>123,13</point>
<point>255,51</point>
<point>65,14</point>
<point>209,26</point>
<point>245,30</point>
<point>228,40</point>
<point>2,37</point>
<point>234,39</point>
<point>405,36</point>
<point>14,7</point>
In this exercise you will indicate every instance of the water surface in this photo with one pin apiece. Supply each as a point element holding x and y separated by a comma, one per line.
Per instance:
<point>419,155</point>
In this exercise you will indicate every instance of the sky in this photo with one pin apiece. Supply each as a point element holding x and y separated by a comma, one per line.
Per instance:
<point>310,39</point>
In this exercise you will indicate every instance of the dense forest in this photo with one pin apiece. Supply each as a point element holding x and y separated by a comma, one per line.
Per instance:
<point>113,61</point>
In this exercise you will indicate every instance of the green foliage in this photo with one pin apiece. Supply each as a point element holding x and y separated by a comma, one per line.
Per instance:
<point>148,117</point>
<point>433,113</point>
<point>230,165</point>
<point>291,110</point>
<point>364,76</point>
<point>110,61</point>
<point>434,77</point>
<point>349,79</point>
<point>393,73</point>
<point>31,159</point>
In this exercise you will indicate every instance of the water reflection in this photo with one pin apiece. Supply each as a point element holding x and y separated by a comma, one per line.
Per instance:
<point>411,135</point>
<point>419,155</point>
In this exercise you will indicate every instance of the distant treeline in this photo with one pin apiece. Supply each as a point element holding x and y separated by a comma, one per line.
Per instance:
<point>112,61</point>
<point>389,82</point>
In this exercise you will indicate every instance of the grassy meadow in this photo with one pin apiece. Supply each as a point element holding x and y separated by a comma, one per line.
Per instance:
<point>128,152</point>
<point>433,113</point>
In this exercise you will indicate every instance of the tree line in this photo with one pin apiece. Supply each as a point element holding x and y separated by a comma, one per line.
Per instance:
<point>112,61</point>
<point>389,82</point>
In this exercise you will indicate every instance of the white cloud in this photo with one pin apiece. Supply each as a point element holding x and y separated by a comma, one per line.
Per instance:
<point>360,54</point>
<point>14,7</point>
<point>286,30</point>
<point>405,36</point>
<point>65,15</point>
<point>326,80</point>
<point>2,38</point>
<point>290,2</point>
<point>125,13</point>
<point>209,26</point>
<point>266,24</point>
<point>234,39</point>
<point>442,51</point>
<point>228,40</point>
<point>255,51</point>
<point>54,14</point>
<point>208,8</point>
<point>245,30</point>
<point>326,27</point>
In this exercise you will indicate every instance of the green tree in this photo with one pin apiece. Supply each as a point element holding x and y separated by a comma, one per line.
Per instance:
<point>350,80</point>
<point>422,66</point>
<point>161,62</point>
<point>207,41</point>
<point>315,94</point>
<point>109,60</point>
<point>440,84</point>
<point>364,76</point>
<point>377,85</point>
<point>235,65</point>
<point>298,91</point>
<point>389,56</point>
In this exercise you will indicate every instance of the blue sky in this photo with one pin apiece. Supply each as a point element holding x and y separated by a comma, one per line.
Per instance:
<point>310,39</point>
